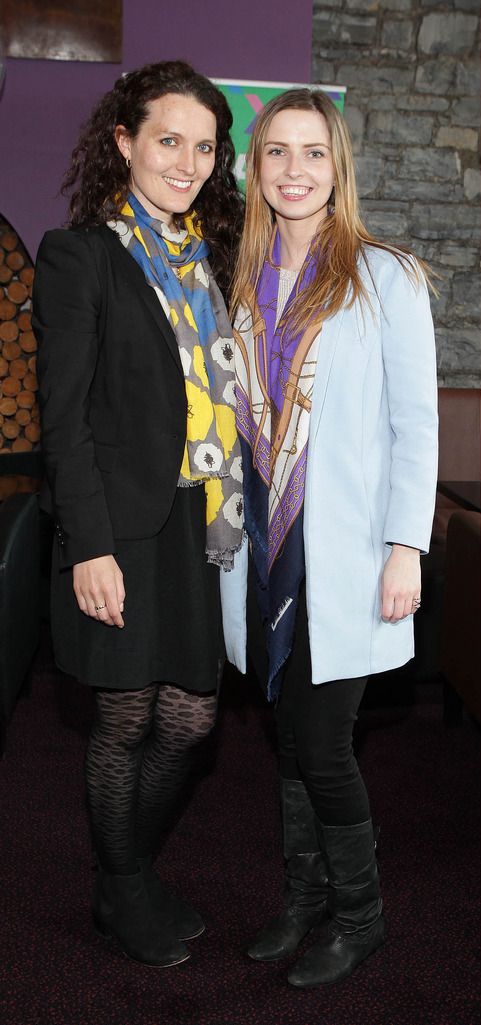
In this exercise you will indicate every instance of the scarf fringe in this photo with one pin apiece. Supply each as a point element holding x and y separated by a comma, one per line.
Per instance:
<point>225,559</point>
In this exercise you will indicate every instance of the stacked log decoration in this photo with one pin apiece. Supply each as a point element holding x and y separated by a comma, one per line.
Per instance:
<point>19,416</point>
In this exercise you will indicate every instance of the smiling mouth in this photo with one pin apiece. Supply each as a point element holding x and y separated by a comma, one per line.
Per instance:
<point>294,191</point>
<point>177,183</point>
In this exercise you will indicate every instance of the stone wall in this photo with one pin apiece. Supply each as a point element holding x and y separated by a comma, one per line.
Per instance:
<point>411,68</point>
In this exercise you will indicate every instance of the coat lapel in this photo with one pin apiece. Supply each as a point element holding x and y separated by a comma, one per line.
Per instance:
<point>327,347</point>
<point>131,270</point>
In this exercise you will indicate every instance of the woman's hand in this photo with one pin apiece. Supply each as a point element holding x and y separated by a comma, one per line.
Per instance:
<point>99,589</point>
<point>401,584</point>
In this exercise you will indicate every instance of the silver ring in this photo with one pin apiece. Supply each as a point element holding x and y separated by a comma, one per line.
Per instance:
<point>99,607</point>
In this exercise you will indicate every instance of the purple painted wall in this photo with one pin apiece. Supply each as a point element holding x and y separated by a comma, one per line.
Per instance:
<point>44,102</point>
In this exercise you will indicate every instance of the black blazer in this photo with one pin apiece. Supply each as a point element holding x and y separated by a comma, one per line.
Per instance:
<point>111,391</point>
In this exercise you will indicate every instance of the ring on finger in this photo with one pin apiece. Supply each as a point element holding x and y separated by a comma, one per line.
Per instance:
<point>99,607</point>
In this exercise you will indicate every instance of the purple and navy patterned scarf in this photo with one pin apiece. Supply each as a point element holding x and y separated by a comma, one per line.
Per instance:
<point>274,381</point>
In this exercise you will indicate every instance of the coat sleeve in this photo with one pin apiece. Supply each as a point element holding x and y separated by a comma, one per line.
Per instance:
<point>409,357</point>
<point>66,304</point>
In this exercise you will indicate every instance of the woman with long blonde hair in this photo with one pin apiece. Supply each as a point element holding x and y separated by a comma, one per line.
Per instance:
<point>336,410</point>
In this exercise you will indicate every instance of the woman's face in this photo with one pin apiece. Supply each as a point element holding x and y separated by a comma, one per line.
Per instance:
<point>297,173</point>
<point>172,155</point>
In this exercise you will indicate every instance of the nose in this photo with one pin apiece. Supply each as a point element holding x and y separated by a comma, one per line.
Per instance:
<point>293,166</point>
<point>187,161</point>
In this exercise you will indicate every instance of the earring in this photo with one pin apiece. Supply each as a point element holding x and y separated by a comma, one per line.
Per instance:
<point>128,162</point>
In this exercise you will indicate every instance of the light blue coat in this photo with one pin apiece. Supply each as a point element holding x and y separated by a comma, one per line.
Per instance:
<point>371,476</point>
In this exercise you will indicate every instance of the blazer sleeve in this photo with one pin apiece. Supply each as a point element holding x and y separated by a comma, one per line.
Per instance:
<point>409,357</point>
<point>66,303</point>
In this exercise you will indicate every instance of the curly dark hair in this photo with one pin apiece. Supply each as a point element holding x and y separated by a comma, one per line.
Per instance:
<point>98,178</point>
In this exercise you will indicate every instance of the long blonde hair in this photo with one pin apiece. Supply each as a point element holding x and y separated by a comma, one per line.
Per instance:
<point>341,236</point>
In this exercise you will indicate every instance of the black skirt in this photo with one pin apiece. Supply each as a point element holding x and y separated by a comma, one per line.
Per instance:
<point>171,615</point>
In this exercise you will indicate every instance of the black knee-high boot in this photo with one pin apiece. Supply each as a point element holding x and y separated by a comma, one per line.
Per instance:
<point>306,881</point>
<point>354,904</point>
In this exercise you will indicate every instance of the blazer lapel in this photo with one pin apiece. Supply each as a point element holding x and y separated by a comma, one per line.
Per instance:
<point>131,270</point>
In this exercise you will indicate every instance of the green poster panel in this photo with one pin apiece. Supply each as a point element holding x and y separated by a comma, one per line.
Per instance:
<point>246,99</point>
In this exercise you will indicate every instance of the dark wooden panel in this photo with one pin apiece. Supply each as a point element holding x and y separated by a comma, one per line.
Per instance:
<point>86,30</point>
<point>19,414</point>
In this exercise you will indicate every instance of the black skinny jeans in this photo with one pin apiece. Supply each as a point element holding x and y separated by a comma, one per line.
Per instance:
<point>314,727</point>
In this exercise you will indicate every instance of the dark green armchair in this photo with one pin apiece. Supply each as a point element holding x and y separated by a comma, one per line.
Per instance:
<point>19,595</point>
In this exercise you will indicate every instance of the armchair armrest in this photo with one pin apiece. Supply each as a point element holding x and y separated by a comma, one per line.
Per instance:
<point>19,596</point>
<point>461,641</point>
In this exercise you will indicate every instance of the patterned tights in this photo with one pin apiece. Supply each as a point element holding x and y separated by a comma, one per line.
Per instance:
<point>138,759</point>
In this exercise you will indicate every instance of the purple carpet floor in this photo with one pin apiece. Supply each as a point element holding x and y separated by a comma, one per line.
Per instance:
<point>224,854</point>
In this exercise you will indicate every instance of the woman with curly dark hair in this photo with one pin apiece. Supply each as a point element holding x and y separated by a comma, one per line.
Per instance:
<point>143,466</point>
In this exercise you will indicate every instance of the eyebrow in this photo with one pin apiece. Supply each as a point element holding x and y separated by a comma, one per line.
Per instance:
<point>307,145</point>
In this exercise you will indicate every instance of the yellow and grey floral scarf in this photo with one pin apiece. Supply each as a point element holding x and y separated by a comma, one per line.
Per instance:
<point>177,268</point>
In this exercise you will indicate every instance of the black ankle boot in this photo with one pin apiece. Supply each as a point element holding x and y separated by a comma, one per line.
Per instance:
<point>354,903</point>
<point>186,921</point>
<point>122,909</point>
<point>306,881</point>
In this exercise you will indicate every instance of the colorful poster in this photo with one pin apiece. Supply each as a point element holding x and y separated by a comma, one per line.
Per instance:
<point>246,99</point>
